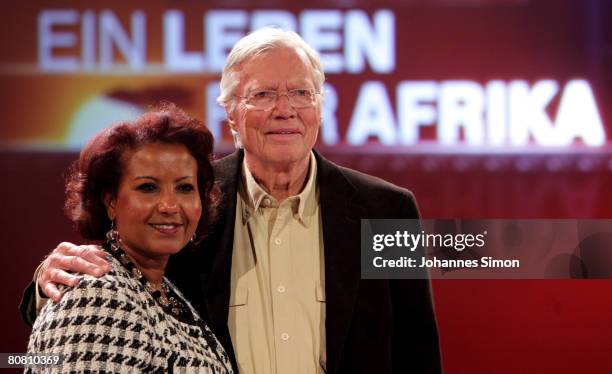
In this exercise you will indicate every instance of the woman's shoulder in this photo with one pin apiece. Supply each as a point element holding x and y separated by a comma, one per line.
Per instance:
<point>109,294</point>
<point>108,306</point>
<point>118,279</point>
<point>100,320</point>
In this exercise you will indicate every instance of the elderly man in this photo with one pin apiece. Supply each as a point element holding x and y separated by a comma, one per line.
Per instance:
<point>279,276</point>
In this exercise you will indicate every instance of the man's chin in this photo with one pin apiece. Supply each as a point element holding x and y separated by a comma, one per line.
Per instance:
<point>286,155</point>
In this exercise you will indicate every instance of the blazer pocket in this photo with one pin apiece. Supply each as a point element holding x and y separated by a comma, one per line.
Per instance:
<point>239,327</point>
<point>239,297</point>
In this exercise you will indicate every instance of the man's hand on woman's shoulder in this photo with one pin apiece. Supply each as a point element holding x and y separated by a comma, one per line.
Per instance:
<point>69,258</point>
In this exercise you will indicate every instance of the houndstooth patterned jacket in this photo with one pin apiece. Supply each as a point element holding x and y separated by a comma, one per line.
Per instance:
<point>113,325</point>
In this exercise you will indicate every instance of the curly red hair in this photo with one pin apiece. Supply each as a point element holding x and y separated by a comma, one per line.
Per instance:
<point>98,170</point>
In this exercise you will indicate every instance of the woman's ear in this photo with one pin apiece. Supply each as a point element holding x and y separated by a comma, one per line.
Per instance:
<point>110,202</point>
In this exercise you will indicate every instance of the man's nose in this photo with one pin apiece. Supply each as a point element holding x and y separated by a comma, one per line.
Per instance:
<point>283,106</point>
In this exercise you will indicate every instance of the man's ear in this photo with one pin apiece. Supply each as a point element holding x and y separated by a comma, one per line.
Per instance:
<point>110,202</point>
<point>231,119</point>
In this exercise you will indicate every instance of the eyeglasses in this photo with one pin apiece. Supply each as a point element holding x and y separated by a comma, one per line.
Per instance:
<point>266,99</point>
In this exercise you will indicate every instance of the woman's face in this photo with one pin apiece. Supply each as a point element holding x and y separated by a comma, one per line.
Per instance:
<point>157,207</point>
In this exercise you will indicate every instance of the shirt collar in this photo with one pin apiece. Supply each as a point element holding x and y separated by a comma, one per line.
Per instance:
<point>303,204</point>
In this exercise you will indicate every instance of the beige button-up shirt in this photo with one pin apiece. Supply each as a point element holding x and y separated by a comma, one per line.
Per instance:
<point>277,303</point>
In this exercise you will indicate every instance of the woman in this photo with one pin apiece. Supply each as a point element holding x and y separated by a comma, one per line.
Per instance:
<point>147,189</point>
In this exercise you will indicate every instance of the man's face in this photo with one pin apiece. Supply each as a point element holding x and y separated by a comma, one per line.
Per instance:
<point>282,135</point>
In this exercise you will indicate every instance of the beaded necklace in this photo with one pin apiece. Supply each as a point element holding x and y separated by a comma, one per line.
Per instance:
<point>163,294</point>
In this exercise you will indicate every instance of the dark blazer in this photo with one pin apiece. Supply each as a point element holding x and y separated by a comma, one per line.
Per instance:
<point>372,326</point>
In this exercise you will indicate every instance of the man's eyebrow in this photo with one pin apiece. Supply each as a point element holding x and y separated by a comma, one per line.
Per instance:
<point>263,88</point>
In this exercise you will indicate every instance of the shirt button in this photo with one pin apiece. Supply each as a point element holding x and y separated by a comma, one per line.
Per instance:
<point>281,289</point>
<point>278,241</point>
<point>285,336</point>
<point>266,202</point>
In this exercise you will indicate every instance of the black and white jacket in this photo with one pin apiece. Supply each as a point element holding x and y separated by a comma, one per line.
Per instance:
<point>112,324</point>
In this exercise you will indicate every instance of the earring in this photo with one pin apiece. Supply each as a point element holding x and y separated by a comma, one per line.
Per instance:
<point>193,239</point>
<point>112,235</point>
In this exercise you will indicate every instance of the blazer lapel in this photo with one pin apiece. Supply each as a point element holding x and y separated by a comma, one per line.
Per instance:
<point>216,282</point>
<point>340,217</point>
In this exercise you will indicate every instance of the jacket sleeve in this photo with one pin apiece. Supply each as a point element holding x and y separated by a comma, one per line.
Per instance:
<point>415,333</point>
<point>32,301</point>
<point>27,307</point>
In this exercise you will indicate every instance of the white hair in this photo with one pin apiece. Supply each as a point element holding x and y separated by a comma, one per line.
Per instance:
<point>257,43</point>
